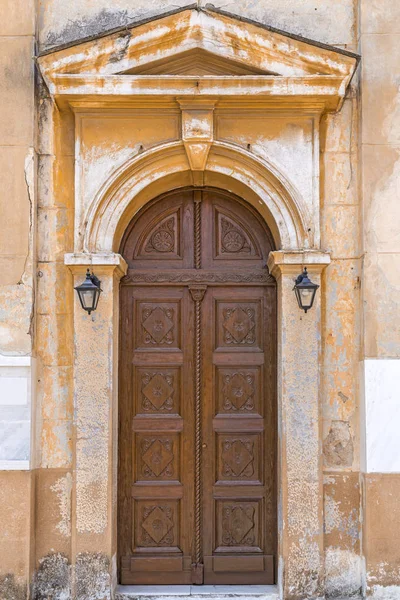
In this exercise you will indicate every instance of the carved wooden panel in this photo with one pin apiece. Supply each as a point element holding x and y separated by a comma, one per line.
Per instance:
<point>157,524</point>
<point>238,457</point>
<point>197,500</point>
<point>232,239</point>
<point>238,390</point>
<point>157,391</point>
<point>162,238</point>
<point>158,325</point>
<point>237,526</point>
<point>157,457</point>
<point>239,325</point>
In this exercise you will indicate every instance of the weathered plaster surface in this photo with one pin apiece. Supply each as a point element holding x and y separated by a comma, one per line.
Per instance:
<point>331,23</point>
<point>350,279</point>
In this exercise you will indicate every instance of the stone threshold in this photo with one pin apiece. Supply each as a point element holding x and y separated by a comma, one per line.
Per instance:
<point>193,592</point>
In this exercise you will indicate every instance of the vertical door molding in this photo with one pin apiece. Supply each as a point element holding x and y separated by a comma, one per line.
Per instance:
<point>300,497</point>
<point>94,499</point>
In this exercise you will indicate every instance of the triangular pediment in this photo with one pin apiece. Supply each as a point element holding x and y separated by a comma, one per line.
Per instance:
<point>196,62</point>
<point>199,42</point>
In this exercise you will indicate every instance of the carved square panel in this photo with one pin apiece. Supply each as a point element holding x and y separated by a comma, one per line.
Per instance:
<point>158,325</point>
<point>238,390</point>
<point>157,390</point>
<point>157,457</point>
<point>239,457</point>
<point>238,526</point>
<point>238,325</point>
<point>156,523</point>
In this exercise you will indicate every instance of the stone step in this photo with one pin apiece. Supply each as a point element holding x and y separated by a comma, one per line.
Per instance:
<point>197,592</point>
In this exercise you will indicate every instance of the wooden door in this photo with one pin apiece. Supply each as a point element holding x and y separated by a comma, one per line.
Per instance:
<point>197,434</point>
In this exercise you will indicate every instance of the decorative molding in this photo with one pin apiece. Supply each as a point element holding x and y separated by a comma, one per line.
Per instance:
<point>197,131</point>
<point>203,276</point>
<point>291,262</point>
<point>197,292</point>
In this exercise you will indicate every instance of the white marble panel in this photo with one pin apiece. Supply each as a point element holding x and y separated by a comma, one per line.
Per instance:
<point>15,411</point>
<point>382,415</point>
<point>13,391</point>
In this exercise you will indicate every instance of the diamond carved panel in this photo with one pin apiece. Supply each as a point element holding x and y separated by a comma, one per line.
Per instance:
<point>157,457</point>
<point>158,325</point>
<point>157,525</point>
<point>238,392</point>
<point>239,457</point>
<point>157,390</point>
<point>239,325</point>
<point>238,525</point>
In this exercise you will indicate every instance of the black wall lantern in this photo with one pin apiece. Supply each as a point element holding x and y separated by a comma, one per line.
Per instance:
<point>305,290</point>
<point>89,292</point>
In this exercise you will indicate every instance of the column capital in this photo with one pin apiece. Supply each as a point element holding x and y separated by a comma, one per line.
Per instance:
<point>104,263</point>
<point>291,262</point>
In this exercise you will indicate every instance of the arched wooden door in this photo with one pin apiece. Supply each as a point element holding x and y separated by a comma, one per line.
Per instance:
<point>197,434</point>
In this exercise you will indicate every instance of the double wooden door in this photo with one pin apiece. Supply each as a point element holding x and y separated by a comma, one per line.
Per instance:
<point>197,411</point>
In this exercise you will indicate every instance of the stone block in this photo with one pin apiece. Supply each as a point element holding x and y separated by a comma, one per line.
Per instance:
<point>339,130</point>
<point>339,178</point>
<point>381,291</point>
<point>17,17</point>
<point>54,335</point>
<point>14,202</point>
<point>342,534</point>
<point>55,230</point>
<point>342,506</point>
<point>16,91</point>
<point>379,16</point>
<point>380,90</point>
<point>55,391</point>
<point>55,289</point>
<point>15,318</point>
<point>11,269</point>
<point>15,517</point>
<point>381,182</point>
<point>56,444</point>
<point>340,230</point>
<point>382,534</point>
<point>53,512</point>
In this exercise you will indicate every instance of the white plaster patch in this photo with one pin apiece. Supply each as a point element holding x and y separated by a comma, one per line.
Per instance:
<point>343,572</point>
<point>389,592</point>
<point>382,410</point>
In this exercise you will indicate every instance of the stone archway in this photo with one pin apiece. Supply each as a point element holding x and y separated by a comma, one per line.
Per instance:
<point>299,485</point>
<point>297,81</point>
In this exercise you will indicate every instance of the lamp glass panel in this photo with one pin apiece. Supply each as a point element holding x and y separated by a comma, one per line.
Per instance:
<point>306,297</point>
<point>88,297</point>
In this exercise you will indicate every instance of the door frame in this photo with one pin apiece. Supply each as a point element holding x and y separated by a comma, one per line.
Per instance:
<point>140,281</point>
<point>299,482</point>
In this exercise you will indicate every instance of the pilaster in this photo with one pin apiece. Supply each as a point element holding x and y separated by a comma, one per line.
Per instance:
<point>94,505</point>
<point>300,500</point>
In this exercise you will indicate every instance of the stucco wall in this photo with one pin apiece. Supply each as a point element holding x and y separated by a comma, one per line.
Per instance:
<point>380,147</point>
<point>359,182</point>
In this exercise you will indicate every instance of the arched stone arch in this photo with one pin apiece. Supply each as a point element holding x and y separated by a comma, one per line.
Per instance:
<point>166,167</point>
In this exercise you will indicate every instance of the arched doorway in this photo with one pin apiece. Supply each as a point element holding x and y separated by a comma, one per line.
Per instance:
<point>197,394</point>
